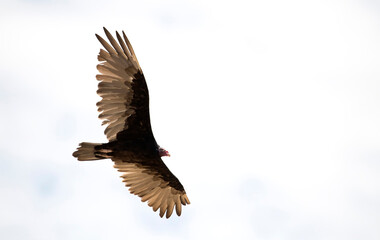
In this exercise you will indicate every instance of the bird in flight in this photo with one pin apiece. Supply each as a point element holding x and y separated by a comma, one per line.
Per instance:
<point>124,108</point>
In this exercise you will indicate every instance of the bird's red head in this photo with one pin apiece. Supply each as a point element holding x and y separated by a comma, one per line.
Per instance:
<point>163,152</point>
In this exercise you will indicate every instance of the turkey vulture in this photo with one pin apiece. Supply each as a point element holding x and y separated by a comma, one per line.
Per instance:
<point>125,110</point>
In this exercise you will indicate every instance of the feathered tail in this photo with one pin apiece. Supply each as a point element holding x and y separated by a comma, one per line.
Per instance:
<point>91,151</point>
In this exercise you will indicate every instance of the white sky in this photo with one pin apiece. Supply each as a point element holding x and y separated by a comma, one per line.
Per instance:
<point>270,110</point>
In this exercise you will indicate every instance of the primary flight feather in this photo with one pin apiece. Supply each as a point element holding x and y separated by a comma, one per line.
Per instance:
<point>125,110</point>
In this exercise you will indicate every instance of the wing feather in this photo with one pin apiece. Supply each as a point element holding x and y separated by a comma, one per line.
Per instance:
<point>115,45</point>
<point>164,202</point>
<point>170,207</point>
<point>106,78</point>
<point>103,55</point>
<point>150,184</point>
<point>178,206</point>
<point>150,195</point>
<point>122,43</point>
<point>156,200</point>
<point>131,50</point>
<point>105,44</point>
<point>118,69</point>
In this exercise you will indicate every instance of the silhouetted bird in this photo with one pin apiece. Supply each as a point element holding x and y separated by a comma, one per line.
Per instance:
<point>125,109</point>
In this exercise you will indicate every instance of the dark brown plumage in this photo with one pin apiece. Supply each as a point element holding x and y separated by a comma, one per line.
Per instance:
<point>125,110</point>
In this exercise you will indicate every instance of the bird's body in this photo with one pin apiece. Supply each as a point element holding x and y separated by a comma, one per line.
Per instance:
<point>125,109</point>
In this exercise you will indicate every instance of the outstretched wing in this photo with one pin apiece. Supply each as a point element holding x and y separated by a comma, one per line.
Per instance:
<point>153,182</point>
<point>125,97</point>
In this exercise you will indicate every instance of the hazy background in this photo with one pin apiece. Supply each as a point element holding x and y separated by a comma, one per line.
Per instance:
<point>270,110</point>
